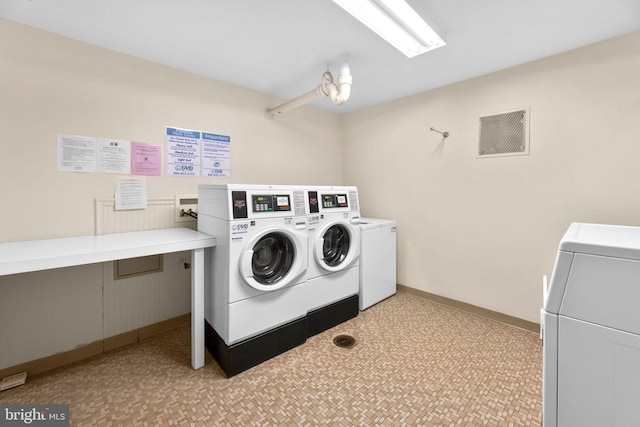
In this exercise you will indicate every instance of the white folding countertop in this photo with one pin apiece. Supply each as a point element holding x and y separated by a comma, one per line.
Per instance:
<point>34,255</point>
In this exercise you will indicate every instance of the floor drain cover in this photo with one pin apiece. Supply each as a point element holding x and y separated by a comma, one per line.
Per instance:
<point>344,341</point>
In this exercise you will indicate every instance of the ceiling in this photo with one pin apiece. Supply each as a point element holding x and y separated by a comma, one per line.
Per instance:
<point>282,47</point>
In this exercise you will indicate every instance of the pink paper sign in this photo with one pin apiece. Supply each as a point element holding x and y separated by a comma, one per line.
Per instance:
<point>146,159</point>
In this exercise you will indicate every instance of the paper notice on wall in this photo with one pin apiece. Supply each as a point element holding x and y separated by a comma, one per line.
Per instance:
<point>113,156</point>
<point>188,153</point>
<point>216,155</point>
<point>146,159</point>
<point>183,152</point>
<point>130,193</point>
<point>77,153</point>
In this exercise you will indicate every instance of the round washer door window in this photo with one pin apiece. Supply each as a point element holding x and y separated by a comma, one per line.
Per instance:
<point>335,245</point>
<point>273,257</point>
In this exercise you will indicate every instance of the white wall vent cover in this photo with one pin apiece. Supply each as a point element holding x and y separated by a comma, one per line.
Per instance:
<point>504,134</point>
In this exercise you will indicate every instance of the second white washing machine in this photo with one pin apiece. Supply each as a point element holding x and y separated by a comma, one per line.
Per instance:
<point>334,256</point>
<point>255,300</point>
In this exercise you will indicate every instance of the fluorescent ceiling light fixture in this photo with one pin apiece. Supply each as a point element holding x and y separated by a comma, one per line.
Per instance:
<point>396,22</point>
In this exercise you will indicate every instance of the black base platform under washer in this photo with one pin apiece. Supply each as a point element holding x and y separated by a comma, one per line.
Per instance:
<point>246,354</point>
<point>332,315</point>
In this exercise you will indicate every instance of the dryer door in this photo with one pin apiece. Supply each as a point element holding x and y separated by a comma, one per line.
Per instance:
<point>273,259</point>
<point>337,246</point>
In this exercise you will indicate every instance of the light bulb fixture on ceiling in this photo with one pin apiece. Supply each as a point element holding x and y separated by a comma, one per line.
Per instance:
<point>396,22</point>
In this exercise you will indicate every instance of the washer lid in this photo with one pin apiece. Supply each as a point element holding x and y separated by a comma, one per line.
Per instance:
<point>600,239</point>
<point>371,223</point>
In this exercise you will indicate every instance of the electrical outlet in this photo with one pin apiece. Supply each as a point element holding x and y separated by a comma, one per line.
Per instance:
<point>183,203</point>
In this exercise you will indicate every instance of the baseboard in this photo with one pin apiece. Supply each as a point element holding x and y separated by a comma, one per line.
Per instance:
<point>473,309</point>
<point>136,335</point>
<point>54,361</point>
<point>120,340</point>
<point>165,325</point>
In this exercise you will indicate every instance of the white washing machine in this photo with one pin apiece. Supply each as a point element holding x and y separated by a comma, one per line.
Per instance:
<point>591,329</point>
<point>334,256</point>
<point>255,301</point>
<point>377,260</point>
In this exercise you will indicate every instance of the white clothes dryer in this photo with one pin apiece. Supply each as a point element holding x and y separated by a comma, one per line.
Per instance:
<point>255,301</point>
<point>334,256</point>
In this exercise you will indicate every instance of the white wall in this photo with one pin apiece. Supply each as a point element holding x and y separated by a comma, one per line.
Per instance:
<point>48,312</point>
<point>50,85</point>
<point>484,231</point>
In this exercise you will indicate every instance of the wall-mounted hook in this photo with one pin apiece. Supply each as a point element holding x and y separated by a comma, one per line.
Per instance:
<point>444,134</point>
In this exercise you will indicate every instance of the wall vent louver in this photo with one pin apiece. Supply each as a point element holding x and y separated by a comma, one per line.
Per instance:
<point>504,134</point>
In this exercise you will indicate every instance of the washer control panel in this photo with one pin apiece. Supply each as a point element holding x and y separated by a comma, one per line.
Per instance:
<point>330,201</point>
<point>271,203</point>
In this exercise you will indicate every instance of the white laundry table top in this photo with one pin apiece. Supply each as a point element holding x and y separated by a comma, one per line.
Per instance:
<point>35,255</point>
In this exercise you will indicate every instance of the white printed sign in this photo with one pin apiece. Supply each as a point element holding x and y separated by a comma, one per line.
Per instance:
<point>216,155</point>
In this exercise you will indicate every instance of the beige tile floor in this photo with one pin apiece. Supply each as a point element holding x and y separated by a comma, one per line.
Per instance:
<point>415,363</point>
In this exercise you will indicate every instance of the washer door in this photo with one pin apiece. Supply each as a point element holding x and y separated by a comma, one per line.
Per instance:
<point>337,246</point>
<point>275,257</point>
